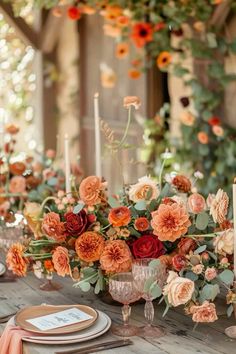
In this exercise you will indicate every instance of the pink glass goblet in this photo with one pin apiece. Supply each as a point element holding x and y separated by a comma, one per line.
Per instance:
<point>142,272</point>
<point>121,288</point>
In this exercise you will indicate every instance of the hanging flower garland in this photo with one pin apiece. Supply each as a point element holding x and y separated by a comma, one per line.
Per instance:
<point>168,33</point>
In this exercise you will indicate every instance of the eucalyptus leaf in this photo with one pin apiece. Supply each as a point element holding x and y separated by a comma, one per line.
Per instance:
<point>200,249</point>
<point>141,205</point>
<point>192,276</point>
<point>230,310</point>
<point>84,286</point>
<point>78,208</point>
<point>113,202</point>
<point>155,290</point>
<point>209,292</point>
<point>227,276</point>
<point>154,263</point>
<point>202,221</point>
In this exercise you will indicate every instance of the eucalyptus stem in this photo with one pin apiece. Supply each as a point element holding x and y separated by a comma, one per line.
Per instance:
<point>126,129</point>
<point>45,202</point>
<point>211,235</point>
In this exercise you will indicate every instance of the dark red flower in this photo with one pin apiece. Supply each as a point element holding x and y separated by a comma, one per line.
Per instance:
<point>75,224</point>
<point>214,121</point>
<point>91,218</point>
<point>74,13</point>
<point>147,246</point>
<point>178,262</point>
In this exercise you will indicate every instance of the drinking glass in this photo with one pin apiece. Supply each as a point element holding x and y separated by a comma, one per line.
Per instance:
<point>143,272</point>
<point>121,288</point>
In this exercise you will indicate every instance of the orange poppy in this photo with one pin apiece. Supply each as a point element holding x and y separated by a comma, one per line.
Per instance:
<point>134,73</point>
<point>163,60</point>
<point>142,33</point>
<point>122,50</point>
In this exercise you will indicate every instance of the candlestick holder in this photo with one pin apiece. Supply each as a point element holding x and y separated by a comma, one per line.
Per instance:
<point>231,331</point>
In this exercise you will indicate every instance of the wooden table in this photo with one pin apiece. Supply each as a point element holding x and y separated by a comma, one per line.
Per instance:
<point>180,337</point>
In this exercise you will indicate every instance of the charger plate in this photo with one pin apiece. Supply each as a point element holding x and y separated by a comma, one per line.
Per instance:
<point>2,269</point>
<point>101,326</point>
<point>31,312</point>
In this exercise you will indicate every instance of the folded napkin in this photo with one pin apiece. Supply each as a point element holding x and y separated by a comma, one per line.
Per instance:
<point>11,339</point>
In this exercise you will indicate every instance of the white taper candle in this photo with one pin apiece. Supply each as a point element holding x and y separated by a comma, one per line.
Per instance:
<point>98,163</point>
<point>67,166</point>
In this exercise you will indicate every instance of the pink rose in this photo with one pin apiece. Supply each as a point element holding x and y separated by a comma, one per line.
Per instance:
<point>196,203</point>
<point>204,313</point>
<point>17,184</point>
<point>210,273</point>
<point>178,290</point>
<point>48,173</point>
<point>198,269</point>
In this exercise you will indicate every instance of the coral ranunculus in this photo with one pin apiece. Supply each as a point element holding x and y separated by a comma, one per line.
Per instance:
<point>116,257</point>
<point>204,313</point>
<point>141,224</point>
<point>142,33</point>
<point>16,261</point>
<point>75,224</point>
<point>120,216</point>
<point>90,190</point>
<point>61,261</point>
<point>89,246</point>
<point>147,246</point>
<point>170,222</point>
<point>53,227</point>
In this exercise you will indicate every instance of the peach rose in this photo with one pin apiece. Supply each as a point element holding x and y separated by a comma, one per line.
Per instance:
<point>224,243</point>
<point>203,138</point>
<point>198,269</point>
<point>145,189</point>
<point>4,207</point>
<point>204,313</point>
<point>90,190</point>
<point>53,227</point>
<point>187,119</point>
<point>178,290</point>
<point>12,129</point>
<point>120,216</point>
<point>130,101</point>
<point>116,257</point>
<point>61,261</point>
<point>210,273</point>
<point>170,222</point>
<point>17,184</point>
<point>16,261</point>
<point>219,206</point>
<point>196,203</point>
<point>218,130</point>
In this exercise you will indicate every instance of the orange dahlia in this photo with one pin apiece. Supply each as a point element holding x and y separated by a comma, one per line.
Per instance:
<point>163,60</point>
<point>170,222</point>
<point>116,257</point>
<point>89,246</point>
<point>16,261</point>
<point>120,216</point>
<point>142,33</point>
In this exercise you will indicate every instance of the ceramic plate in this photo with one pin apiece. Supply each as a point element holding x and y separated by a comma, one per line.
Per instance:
<point>2,269</point>
<point>43,310</point>
<point>100,327</point>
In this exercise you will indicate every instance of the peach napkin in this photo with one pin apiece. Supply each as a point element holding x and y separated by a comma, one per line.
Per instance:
<point>11,340</point>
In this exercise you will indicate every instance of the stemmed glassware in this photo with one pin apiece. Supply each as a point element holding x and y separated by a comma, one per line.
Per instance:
<point>121,288</point>
<point>145,271</point>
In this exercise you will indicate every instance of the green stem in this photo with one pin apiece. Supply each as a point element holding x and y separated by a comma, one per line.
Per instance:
<point>161,172</point>
<point>126,129</point>
<point>45,202</point>
<point>203,235</point>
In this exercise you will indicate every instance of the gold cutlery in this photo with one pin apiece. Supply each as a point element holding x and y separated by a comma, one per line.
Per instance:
<point>98,347</point>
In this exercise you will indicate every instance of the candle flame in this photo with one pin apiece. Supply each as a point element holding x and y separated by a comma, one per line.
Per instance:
<point>66,136</point>
<point>96,95</point>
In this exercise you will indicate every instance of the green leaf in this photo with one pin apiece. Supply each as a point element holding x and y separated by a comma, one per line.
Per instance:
<point>133,232</point>
<point>155,290</point>
<point>148,283</point>
<point>153,205</point>
<point>200,249</point>
<point>202,221</point>
<point>209,292</point>
<point>230,310</point>
<point>52,181</point>
<point>84,286</point>
<point>155,263</point>
<point>227,277</point>
<point>192,276</point>
<point>166,310</point>
<point>78,208</point>
<point>141,205</point>
<point>113,202</point>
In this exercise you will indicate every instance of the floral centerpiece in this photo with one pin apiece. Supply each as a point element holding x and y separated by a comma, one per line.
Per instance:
<point>25,178</point>
<point>91,236</point>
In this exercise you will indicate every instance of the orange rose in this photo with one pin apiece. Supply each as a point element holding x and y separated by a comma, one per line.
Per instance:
<point>17,168</point>
<point>203,138</point>
<point>141,224</point>
<point>89,246</point>
<point>116,257</point>
<point>12,129</point>
<point>61,261</point>
<point>90,190</point>
<point>16,261</point>
<point>53,227</point>
<point>120,216</point>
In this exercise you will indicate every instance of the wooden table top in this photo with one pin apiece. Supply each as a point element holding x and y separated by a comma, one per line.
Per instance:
<point>179,339</point>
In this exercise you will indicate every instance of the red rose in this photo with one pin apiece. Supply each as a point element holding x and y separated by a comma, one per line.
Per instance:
<point>74,13</point>
<point>214,121</point>
<point>178,262</point>
<point>147,246</point>
<point>75,224</point>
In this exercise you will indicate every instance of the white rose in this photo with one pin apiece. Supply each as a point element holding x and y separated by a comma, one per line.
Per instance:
<point>224,243</point>
<point>141,190</point>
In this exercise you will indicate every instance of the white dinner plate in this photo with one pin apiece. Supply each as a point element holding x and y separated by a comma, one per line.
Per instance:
<point>100,327</point>
<point>2,269</point>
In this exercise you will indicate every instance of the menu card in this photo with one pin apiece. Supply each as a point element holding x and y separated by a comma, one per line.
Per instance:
<point>59,319</point>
